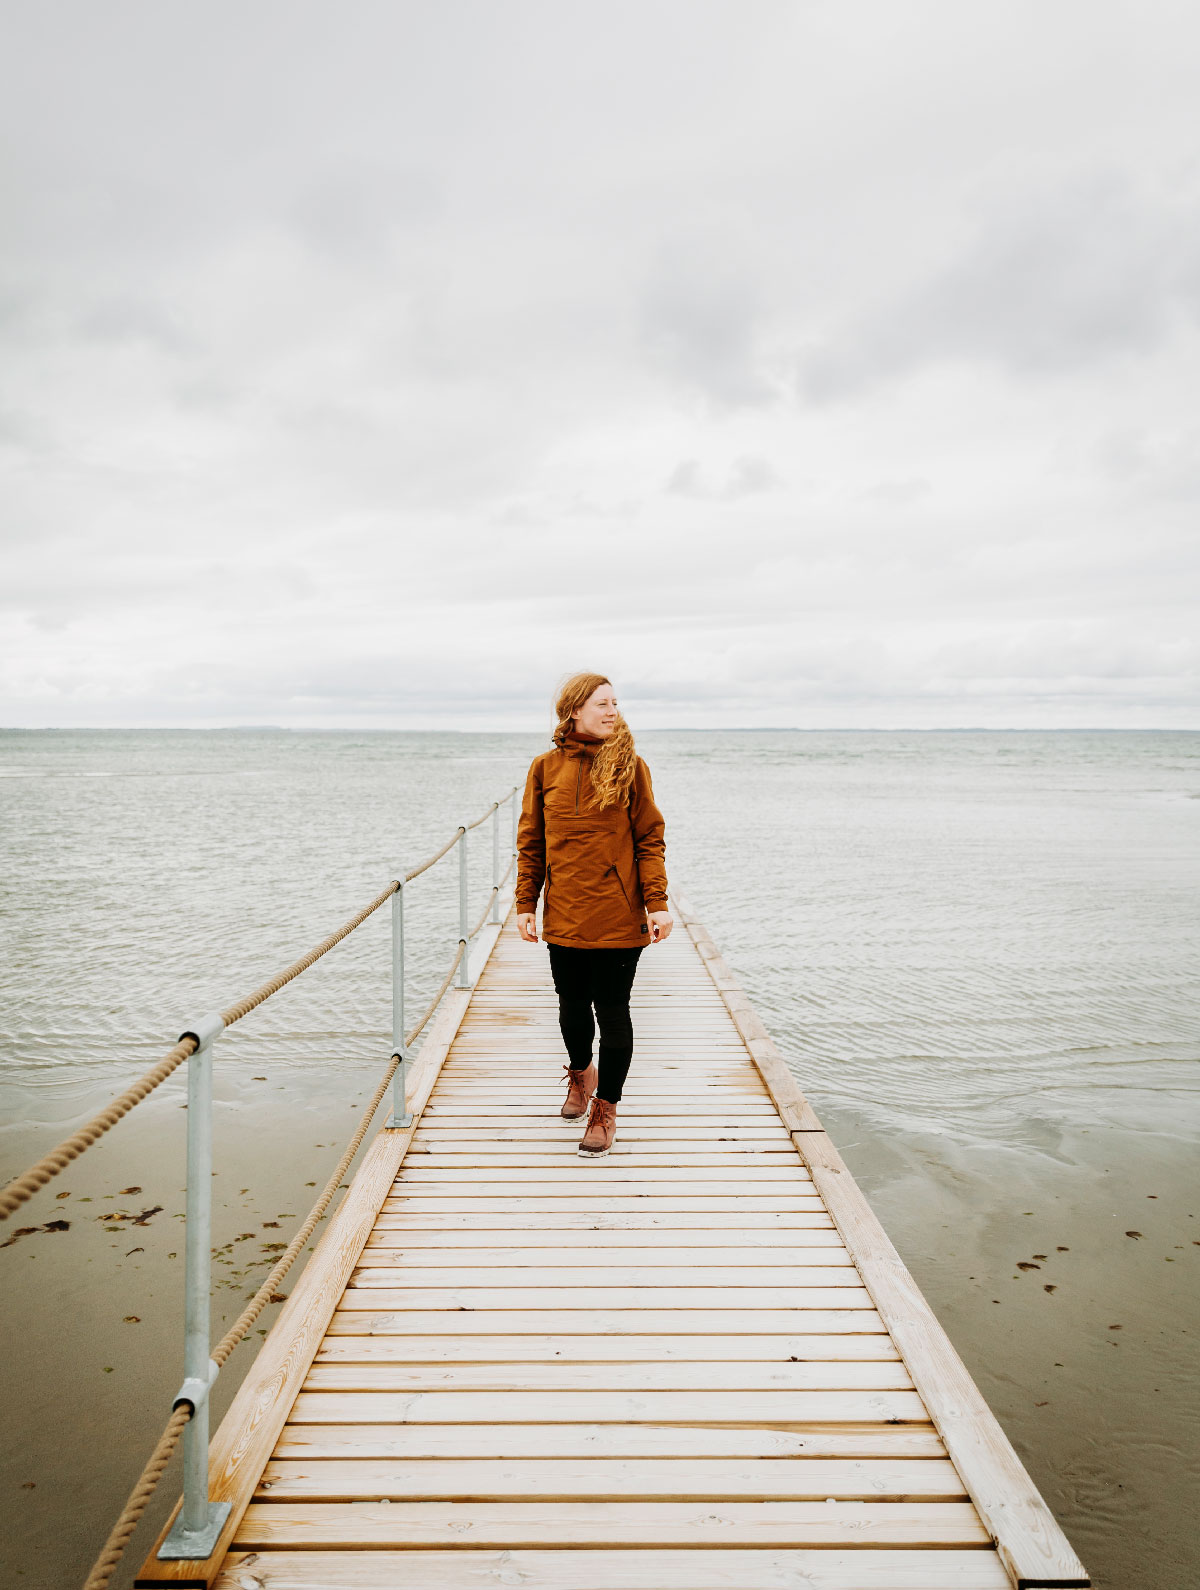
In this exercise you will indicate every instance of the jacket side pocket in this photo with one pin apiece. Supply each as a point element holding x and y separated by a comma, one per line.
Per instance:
<point>616,874</point>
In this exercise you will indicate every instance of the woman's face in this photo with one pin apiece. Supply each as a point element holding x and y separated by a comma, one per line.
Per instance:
<point>598,714</point>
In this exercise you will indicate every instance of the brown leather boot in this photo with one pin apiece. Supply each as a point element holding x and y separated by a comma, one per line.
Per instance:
<point>601,1129</point>
<point>579,1090</point>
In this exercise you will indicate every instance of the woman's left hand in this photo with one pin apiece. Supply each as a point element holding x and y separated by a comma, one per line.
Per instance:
<point>660,925</point>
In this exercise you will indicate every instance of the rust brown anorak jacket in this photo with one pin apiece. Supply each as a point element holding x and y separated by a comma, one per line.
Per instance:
<point>601,871</point>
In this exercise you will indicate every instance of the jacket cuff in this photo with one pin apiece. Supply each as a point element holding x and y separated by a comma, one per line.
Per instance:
<point>655,903</point>
<point>521,906</point>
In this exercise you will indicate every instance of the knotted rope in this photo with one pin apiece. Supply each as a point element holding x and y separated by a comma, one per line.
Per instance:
<point>144,1487</point>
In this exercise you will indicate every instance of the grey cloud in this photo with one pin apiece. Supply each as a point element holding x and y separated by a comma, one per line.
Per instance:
<point>898,493</point>
<point>122,320</point>
<point>1054,281</point>
<point>1164,463</point>
<point>749,476</point>
<point>699,321</point>
<point>359,208</point>
<point>17,430</point>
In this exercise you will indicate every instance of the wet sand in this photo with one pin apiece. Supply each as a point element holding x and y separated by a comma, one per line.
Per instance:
<point>1073,1328</point>
<point>1068,1278</point>
<point>92,1316</point>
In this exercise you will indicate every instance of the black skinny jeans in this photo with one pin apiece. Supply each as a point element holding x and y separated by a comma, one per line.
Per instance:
<point>604,979</point>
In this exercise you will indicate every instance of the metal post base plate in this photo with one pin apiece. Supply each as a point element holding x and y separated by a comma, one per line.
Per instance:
<point>194,1545</point>
<point>397,1120</point>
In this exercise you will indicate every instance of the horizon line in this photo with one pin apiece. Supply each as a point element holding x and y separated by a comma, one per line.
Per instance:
<point>757,728</point>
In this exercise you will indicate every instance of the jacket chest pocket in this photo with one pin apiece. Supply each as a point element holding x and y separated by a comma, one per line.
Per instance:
<point>559,799</point>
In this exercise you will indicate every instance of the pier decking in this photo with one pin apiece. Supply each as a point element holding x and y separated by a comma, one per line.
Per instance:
<point>697,1363</point>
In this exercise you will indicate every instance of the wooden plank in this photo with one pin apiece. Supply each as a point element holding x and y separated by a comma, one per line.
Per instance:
<point>556,1157</point>
<point>346,1346</point>
<point>697,1038</point>
<point>243,1442</point>
<point>551,1127</point>
<point>686,1223</point>
<point>485,1095</point>
<point>311,1526</point>
<point>549,1094</point>
<point>694,1004</point>
<point>606,1175</point>
<point>630,1200</point>
<point>724,1375</point>
<point>367,1311</point>
<point>610,1479</point>
<point>666,1164</point>
<point>772,1133</point>
<point>629,1247</point>
<point>606,1407</point>
<point>612,1172</point>
<point>749,1444</point>
<point>380,1284</point>
<point>516,1026</point>
<point>547,1569</point>
<point>569,1168</point>
<point>680,1063</point>
<point>480,1114</point>
<point>379,1268</point>
<point>818,1244</point>
<point>649,1082</point>
<point>487,1057</point>
<point>732,1156</point>
<point>809,1231</point>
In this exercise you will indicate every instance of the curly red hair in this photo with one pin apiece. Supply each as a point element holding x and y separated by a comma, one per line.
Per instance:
<point>616,760</point>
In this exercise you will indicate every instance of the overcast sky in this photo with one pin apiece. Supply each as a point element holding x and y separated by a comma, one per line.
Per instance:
<point>814,364</point>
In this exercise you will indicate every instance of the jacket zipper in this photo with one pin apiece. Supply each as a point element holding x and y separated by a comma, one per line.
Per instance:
<point>578,782</point>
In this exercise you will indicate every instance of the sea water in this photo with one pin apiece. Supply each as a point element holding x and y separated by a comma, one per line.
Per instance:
<point>980,953</point>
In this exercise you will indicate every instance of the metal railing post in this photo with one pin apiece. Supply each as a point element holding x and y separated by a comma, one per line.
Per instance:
<point>200,1521</point>
<point>463,979</point>
<point>494,913</point>
<point>516,808</point>
<point>401,1114</point>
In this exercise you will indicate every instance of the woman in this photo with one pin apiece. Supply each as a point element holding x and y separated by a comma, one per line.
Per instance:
<point>590,832</point>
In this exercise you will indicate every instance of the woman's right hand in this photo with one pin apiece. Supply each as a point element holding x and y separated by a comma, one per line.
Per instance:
<point>527,926</point>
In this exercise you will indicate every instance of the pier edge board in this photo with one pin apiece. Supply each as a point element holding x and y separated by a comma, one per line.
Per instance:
<point>246,1437</point>
<point>627,1568</point>
<point>1030,1542</point>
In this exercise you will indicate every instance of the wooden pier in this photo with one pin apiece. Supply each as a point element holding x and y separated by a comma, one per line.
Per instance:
<point>698,1363</point>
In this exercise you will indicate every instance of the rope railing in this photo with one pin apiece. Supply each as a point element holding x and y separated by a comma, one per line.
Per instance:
<point>21,1188</point>
<point>199,1522</point>
<point>144,1487</point>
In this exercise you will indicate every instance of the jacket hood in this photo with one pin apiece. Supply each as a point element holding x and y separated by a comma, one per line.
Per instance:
<point>572,740</point>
